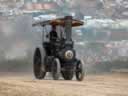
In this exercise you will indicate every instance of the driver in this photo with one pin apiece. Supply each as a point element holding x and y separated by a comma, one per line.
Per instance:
<point>53,34</point>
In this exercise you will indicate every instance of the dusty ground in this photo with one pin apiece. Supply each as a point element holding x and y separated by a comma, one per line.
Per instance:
<point>94,85</point>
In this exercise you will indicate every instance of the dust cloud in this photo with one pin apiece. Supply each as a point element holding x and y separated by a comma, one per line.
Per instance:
<point>17,41</point>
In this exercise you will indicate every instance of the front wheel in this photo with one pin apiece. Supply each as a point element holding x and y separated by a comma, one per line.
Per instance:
<point>67,75</point>
<point>80,71</point>
<point>56,69</point>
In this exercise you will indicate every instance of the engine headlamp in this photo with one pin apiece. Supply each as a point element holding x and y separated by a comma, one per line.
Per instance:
<point>69,54</point>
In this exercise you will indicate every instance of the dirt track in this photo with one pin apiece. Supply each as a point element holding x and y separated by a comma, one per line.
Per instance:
<point>100,85</point>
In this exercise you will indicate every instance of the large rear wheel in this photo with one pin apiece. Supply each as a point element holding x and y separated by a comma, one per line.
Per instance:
<point>80,71</point>
<point>56,69</point>
<point>38,67</point>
